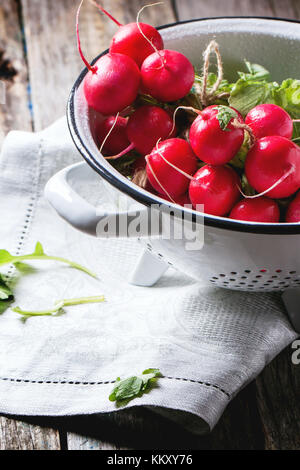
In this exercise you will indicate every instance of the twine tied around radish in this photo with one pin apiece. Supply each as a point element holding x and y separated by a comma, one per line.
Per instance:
<point>205,96</point>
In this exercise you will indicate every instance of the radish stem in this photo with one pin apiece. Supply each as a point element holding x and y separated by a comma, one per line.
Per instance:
<point>105,12</point>
<point>87,64</point>
<point>128,149</point>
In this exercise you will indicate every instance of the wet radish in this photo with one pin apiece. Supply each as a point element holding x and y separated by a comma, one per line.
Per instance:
<point>145,127</point>
<point>182,200</point>
<point>261,209</point>
<point>130,39</point>
<point>210,142</point>
<point>269,119</point>
<point>216,187</point>
<point>112,83</point>
<point>167,75</point>
<point>166,179</point>
<point>111,135</point>
<point>272,167</point>
<point>293,211</point>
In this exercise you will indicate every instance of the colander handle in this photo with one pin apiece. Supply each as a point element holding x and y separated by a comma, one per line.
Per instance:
<point>84,216</point>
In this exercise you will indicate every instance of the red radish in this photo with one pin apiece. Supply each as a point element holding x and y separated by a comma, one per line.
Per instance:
<point>167,75</point>
<point>293,211</point>
<point>216,187</point>
<point>145,127</point>
<point>112,83</point>
<point>269,119</point>
<point>115,128</point>
<point>182,200</point>
<point>137,40</point>
<point>261,209</point>
<point>272,167</point>
<point>210,142</point>
<point>164,178</point>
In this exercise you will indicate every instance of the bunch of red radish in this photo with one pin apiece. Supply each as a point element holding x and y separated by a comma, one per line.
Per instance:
<point>137,63</point>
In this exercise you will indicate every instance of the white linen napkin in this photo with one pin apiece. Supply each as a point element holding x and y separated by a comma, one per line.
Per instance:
<point>207,342</point>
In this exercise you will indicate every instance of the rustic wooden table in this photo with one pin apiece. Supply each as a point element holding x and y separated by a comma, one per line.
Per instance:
<point>39,63</point>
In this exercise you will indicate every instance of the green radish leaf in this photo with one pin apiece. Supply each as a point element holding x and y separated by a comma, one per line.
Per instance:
<point>39,251</point>
<point>4,305</point>
<point>224,116</point>
<point>6,295</point>
<point>225,86</point>
<point>132,387</point>
<point>5,257</point>
<point>39,254</point>
<point>288,97</point>
<point>5,291</point>
<point>58,306</point>
<point>255,72</point>
<point>245,95</point>
<point>128,388</point>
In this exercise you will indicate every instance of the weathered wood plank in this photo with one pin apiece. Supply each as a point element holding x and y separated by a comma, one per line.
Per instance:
<point>18,435</point>
<point>14,113</point>
<point>202,8</point>
<point>53,59</point>
<point>54,64</point>
<point>138,428</point>
<point>78,442</point>
<point>278,392</point>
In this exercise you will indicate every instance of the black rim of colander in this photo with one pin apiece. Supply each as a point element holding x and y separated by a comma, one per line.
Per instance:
<point>147,198</point>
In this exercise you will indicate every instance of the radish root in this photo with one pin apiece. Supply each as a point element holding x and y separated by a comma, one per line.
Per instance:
<point>109,132</point>
<point>188,108</point>
<point>283,177</point>
<point>171,164</point>
<point>144,35</point>
<point>93,2</point>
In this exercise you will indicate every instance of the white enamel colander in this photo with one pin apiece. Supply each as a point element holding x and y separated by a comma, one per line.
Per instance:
<point>235,255</point>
